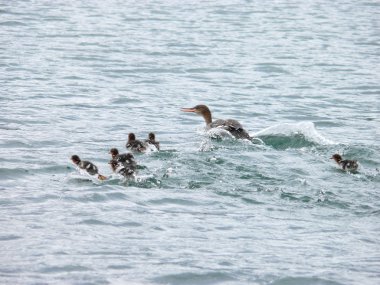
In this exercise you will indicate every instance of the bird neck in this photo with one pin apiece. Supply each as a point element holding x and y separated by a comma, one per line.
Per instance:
<point>207,117</point>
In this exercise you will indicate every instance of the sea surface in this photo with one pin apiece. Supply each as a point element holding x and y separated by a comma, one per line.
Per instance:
<point>303,77</point>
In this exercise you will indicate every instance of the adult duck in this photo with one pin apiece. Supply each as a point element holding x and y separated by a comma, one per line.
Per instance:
<point>230,125</point>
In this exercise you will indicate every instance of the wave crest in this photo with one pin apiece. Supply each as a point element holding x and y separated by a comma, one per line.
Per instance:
<point>296,135</point>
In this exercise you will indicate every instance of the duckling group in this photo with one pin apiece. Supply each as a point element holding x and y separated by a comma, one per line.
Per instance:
<point>125,164</point>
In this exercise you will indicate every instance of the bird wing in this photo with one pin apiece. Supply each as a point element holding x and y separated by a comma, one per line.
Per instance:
<point>228,125</point>
<point>233,124</point>
<point>90,167</point>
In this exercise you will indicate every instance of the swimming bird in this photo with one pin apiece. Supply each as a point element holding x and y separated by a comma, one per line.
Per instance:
<point>134,144</point>
<point>152,140</point>
<point>124,158</point>
<point>349,165</point>
<point>122,169</point>
<point>89,167</point>
<point>232,126</point>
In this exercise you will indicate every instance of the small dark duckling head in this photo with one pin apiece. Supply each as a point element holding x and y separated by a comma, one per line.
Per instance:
<point>152,137</point>
<point>131,137</point>
<point>337,157</point>
<point>114,152</point>
<point>202,110</point>
<point>75,159</point>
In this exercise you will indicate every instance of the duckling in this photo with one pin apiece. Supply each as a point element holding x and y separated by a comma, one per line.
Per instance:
<point>123,164</point>
<point>125,158</point>
<point>122,169</point>
<point>89,167</point>
<point>152,140</point>
<point>349,165</point>
<point>134,144</point>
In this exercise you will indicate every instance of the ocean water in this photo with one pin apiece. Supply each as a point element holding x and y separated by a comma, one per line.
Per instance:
<point>302,76</point>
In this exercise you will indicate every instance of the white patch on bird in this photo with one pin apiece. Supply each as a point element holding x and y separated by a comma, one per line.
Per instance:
<point>119,168</point>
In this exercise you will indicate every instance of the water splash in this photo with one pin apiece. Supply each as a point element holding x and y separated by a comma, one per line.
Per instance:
<point>84,177</point>
<point>293,135</point>
<point>150,148</point>
<point>219,133</point>
<point>222,135</point>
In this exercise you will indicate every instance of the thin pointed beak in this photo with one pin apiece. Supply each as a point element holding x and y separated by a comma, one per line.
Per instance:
<point>188,110</point>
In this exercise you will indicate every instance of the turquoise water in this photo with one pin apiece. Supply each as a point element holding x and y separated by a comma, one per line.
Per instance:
<point>77,76</point>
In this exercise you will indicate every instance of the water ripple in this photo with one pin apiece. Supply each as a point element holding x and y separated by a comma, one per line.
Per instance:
<point>302,77</point>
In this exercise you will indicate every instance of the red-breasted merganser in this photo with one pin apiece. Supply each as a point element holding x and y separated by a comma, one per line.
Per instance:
<point>123,164</point>
<point>89,167</point>
<point>122,169</point>
<point>134,144</point>
<point>127,159</point>
<point>349,165</point>
<point>232,126</point>
<point>152,140</point>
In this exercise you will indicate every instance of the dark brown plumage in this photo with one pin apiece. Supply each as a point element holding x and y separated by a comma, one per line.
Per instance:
<point>135,145</point>
<point>123,164</point>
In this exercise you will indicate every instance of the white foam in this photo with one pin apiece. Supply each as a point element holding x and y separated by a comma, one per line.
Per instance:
<point>219,133</point>
<point>305,128</point>
<point>83,175</point>
<point>206,145</point>
<point>150,148</point>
